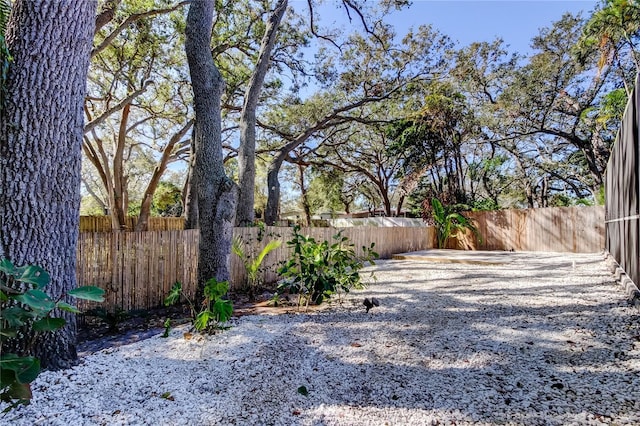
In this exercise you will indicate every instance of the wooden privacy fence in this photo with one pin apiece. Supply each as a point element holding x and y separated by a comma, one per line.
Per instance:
<point>555,229</point>
<point>137,269</point>
<point>103,223</point>
<point>622,191</point>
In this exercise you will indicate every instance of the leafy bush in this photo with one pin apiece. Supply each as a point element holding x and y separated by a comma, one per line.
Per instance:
<point>25,306</point>
<point>214,309</point>
<point>319,270</point>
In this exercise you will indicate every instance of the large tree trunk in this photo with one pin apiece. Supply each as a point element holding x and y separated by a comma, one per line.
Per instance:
<point>217,194</point>
<point>245,214</point>
<point>40,150</point>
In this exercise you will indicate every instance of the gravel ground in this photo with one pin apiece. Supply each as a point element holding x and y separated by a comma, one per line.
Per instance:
<point>544,339</point>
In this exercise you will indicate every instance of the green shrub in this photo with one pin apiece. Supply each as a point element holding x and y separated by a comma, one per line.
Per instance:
<point>317,270</point>
<point>214,310</point>
<point>25,306</point>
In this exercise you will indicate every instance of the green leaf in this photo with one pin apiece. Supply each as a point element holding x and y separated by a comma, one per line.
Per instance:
<point>17,316</point>
<point>7,333</point>
<point>92,293</point>
<point>214,289</point>
<point>302,390</point>
<point>7,267</point>
<point>26,368</point>
<point>49,324</point>
<point>223,310</point>
<point>68,308</point>
<point>3,296</point>
<point>34,275</point>
<point>271,245</point>
<point>174,294</point>
<point>37,300</point>
<point>202,320</point>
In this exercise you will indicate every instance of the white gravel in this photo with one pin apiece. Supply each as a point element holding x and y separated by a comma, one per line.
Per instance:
<point>545,339</point>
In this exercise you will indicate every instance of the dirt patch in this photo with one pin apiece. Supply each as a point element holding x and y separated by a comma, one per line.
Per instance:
<point>98,330</point>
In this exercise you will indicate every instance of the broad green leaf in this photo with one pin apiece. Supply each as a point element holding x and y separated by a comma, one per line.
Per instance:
<point>26,368</point>
<point>202,320</point>
<point>17,316</point>
<point>6,266</point>
<point>214,289</point>
<point>3,296</point>
<point>223,309</point>
<point>68,308</point>
<point>174,294</point>
<point>37,300</point>
<point>49,324</point>
<point>34,275</point>
<point>91,293</point>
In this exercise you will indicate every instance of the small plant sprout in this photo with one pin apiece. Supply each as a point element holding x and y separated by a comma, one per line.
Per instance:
<point>252,264</point>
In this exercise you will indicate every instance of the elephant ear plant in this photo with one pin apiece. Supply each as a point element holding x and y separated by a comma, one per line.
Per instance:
<point>449,222</point>
<point>26,308</point>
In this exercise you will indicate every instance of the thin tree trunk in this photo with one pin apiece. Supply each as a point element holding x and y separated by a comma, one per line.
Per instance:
<point>142,223</point>
<point>217,194</point>
<point>245,214</point>
<point>272,210</point>
<point>120,196</point>
<point>40,151</point>
<point>304,199</point>
<point>190,193</point>
<point>399,207</point>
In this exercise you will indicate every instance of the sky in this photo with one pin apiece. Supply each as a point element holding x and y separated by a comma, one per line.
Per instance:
<point>466,21</point>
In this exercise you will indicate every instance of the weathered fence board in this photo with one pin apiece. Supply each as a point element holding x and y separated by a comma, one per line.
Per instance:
<point>556,229</point>
<point>137,269</point>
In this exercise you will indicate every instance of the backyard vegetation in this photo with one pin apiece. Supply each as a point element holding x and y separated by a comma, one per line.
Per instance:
<point>229,113</point>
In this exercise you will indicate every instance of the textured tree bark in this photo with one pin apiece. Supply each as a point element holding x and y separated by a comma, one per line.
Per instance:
<point>40,150</point>
<point>272,210</point>
<point>190,193</point>
<point>245,214</point>
<point>217,194</point>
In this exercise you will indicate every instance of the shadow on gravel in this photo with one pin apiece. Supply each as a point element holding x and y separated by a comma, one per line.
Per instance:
<point>545,353</point>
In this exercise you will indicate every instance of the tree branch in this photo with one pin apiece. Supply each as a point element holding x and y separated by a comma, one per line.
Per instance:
<point>130,20</point>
